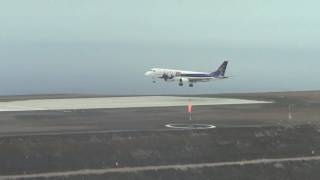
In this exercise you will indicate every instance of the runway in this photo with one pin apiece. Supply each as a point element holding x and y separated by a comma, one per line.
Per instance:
<point>74,137</point>
<point>146,113</point>
<point>116,102</point>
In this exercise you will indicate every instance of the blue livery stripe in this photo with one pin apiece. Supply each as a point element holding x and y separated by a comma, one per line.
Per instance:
<point>195,75</point>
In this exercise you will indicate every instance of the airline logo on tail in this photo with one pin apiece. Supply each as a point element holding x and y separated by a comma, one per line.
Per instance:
<point>221,70</point>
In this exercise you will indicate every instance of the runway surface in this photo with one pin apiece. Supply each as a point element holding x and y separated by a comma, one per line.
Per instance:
<point>116,102</point>
<point>253,136</point>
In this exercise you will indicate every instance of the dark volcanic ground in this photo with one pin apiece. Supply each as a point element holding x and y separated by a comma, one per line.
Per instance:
<point>59,141</point>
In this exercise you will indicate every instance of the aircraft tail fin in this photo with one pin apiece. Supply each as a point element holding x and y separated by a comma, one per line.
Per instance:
<point>221,70</point>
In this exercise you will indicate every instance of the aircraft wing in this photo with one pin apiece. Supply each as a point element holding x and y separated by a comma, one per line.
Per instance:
<point>198,79</point>
<point>204,79</point>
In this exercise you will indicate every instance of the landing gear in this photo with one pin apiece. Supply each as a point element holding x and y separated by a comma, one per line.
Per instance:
<point>190,85</point>
<point>180,82</point>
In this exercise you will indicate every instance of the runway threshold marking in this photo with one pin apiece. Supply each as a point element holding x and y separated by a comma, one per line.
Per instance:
<point>157,168</point>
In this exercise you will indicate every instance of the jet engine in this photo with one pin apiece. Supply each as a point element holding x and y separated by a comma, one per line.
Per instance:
<point>182,80</point>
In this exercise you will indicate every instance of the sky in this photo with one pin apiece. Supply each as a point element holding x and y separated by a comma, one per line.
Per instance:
<point>105,46</point>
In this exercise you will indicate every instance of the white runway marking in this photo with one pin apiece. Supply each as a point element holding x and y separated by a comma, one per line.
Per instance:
<point>116,102</point>
<point>190,126</point>
<point>86,172</point>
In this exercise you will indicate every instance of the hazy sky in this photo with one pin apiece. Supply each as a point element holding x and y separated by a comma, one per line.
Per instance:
<point>105,46</point>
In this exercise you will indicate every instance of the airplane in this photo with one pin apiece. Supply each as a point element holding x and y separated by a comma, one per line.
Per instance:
<point>191,77</point>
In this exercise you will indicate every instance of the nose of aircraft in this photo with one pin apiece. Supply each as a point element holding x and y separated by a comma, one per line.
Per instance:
<point>148,73</point>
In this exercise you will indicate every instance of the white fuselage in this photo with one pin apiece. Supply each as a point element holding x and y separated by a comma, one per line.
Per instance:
<point>158,72</point>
